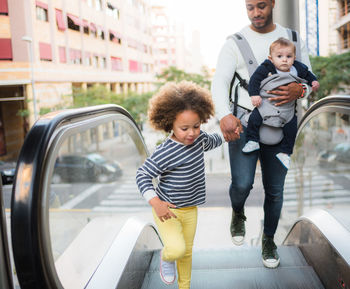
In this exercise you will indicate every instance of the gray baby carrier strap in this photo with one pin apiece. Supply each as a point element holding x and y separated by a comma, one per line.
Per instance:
<point>268,134</point>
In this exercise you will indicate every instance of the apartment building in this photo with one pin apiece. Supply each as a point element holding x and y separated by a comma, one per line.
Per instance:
<point>48,47</point>
<point>325,26</point>
<point>342,25</point>
<point>168,40</point>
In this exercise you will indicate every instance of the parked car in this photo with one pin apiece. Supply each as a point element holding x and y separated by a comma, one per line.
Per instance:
<point>340,154</point>
<point>85,168</point>
<point>8,170</point>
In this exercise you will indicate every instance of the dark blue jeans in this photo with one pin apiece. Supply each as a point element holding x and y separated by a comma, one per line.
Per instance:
<point>242,178</point>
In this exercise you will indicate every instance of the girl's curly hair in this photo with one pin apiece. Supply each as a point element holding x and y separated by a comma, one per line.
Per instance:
<point>174,98</point>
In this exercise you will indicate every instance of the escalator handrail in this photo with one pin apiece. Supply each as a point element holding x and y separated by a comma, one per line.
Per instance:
<point>6,281</point>
<point>334,232</point>
<point>115,262</point>
<point>26,211</point>
<point>332,100</point>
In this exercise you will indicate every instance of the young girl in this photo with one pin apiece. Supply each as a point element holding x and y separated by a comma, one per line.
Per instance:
<point>178,109</point>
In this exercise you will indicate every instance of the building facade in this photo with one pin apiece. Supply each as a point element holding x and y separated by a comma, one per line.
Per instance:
<point>48,47</point>
<point>325,26</point>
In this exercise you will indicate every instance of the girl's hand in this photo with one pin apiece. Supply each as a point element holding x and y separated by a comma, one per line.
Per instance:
<point>162,209</point>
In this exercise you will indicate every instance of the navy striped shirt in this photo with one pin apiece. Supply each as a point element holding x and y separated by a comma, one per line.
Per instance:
<point>180,169</point>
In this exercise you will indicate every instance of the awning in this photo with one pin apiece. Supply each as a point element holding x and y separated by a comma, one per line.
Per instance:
<point>93,27</point>
<point>45,51</point>
<point>59,19</point>
<point>6,49</point>
<point>41,4</point>
<point>74,54</point>
<point>75,19</point>
<point>86,23</point>
<point>116,63</point>
<point>3,7</point>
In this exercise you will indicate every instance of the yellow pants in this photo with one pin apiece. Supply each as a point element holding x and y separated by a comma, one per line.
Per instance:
<point>177,235</point>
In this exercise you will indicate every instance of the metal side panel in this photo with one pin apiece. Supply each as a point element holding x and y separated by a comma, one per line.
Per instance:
<point>242,268</point>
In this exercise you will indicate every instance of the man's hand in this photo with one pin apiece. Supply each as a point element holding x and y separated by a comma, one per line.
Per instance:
<point>286,93</point>
<point>162,209</point>
<point>231,127</point>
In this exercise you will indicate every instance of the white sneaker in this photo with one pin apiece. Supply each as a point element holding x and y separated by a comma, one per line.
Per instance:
<point>167,271</point>
<point>251,146</point>
<point>284,159</point>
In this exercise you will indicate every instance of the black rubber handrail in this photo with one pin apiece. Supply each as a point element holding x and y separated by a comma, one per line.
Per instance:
<point>333,100</point>
<point>26,211</point>
<point>6,281</point>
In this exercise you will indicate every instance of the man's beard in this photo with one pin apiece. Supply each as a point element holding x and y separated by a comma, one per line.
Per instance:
<point>263,24</point>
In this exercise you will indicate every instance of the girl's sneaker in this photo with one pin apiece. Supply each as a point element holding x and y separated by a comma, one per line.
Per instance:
<point>167,271</point>
<point>251,146</point>
<point>284,159</point>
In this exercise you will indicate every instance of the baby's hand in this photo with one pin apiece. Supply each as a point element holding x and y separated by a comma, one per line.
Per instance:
<point>315,85</point>
<point>256,100</point>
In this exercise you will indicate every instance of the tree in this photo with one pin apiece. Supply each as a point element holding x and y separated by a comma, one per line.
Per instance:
<point>333,73</point>
<point>176,75</point>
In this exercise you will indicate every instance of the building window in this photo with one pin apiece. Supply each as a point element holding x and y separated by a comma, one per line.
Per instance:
<point>41,11</point>
<point>344,7</point>
<point>4,7</point>
<point>115,37</point>
<point>98,5</point>
<point>94,61</point>
<point>5,49</point>
<point>45,51</point>
<point>112,11</point>
<point>345,36</point>
<point>93,29</point>
<point>75,56</point>
<point>145,67</point>
<point>100,32</point>
<point>86,27</point>
<point>87,58</point>
<point>135,66</point>
<point>74,22</point>
<point>103,62</point>
<point>116,63</point>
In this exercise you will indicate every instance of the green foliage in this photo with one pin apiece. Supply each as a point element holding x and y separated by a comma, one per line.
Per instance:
<point>176,75</point>
<point>135,104</point>
<point>333,73</point>
<point>23,112</point>
<point>44,110</point>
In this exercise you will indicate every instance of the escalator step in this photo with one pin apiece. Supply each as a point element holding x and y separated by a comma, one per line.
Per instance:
<point>241,267</point>
<point>245,278</point>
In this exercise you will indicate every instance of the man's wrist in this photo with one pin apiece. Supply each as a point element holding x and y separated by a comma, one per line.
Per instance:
<point>303,86</point>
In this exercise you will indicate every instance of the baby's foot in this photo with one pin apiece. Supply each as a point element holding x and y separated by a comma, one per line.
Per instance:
<point>251,146</point>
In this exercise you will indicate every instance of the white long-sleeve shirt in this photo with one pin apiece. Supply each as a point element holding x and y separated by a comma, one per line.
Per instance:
<point>230,60</point>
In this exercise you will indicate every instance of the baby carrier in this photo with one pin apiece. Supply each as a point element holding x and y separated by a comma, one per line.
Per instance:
<point>269,135</point>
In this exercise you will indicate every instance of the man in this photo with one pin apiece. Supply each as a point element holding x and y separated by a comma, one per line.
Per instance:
<point>260,34</point>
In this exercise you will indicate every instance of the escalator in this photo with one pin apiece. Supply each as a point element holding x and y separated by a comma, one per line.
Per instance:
<point>78,221</point>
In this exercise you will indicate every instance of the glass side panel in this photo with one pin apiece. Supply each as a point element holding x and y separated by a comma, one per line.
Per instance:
<point>319,176</point>
<point>92,193</point>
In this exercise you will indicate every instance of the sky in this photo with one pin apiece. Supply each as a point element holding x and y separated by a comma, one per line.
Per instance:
<point>214,19</point>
